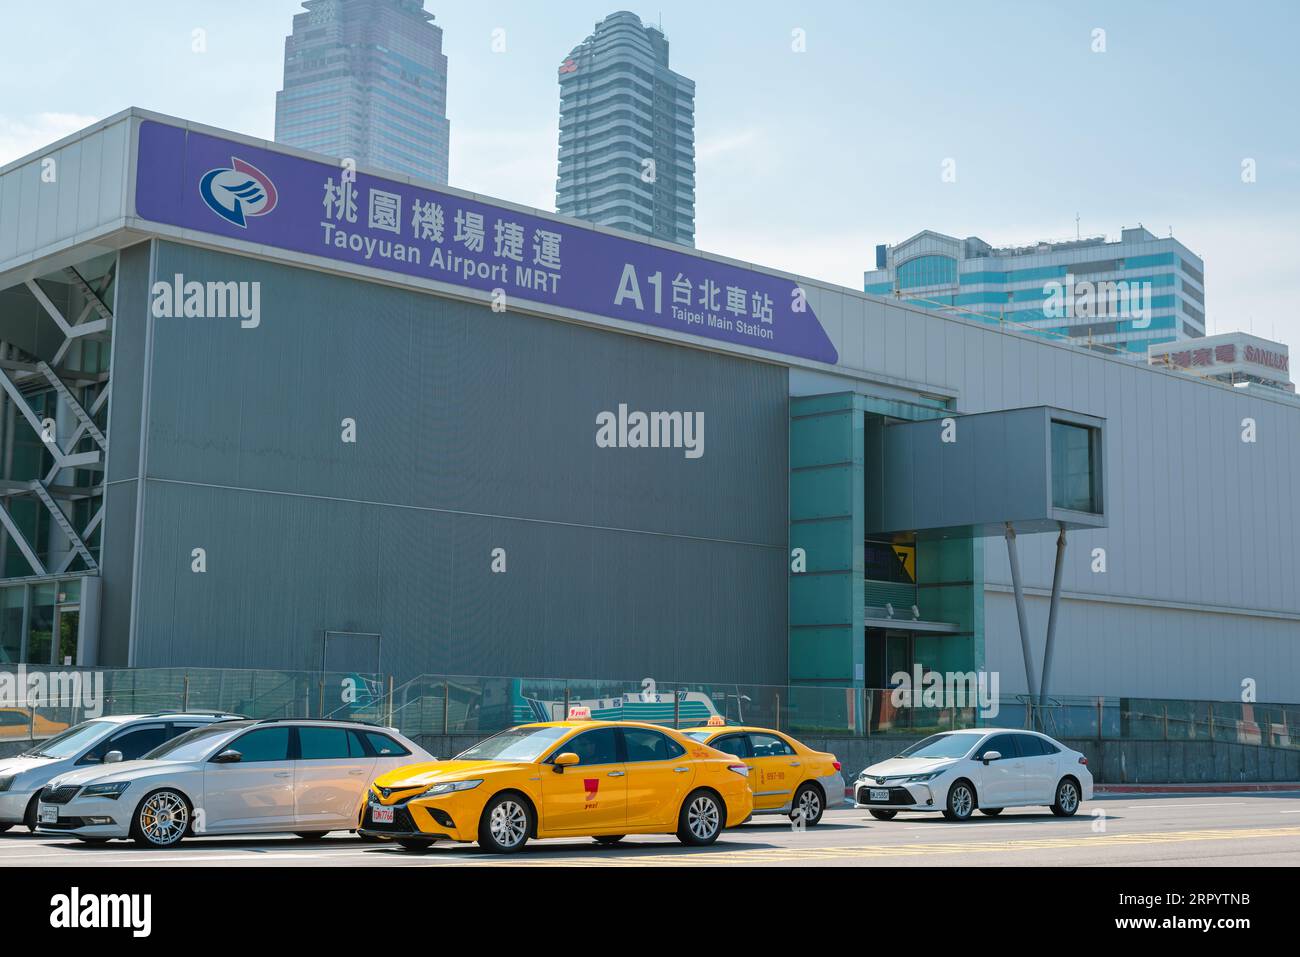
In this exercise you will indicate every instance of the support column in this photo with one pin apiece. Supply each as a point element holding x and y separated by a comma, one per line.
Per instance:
<point>1031,680</point>
<point>1051,616</point>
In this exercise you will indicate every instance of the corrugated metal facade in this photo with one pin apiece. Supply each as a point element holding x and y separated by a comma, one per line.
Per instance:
<point>475,431</point>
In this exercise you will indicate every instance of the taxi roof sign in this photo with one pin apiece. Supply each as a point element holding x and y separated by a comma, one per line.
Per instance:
<point>580,713</point>
<point>716,721</point>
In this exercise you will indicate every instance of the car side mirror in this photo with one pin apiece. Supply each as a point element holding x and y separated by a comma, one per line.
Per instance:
<point>991,756</point>
<point>565,760</point>
<point>113,757</point>
<point>228,756</point>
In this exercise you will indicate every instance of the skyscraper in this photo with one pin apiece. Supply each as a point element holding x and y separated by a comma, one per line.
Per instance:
<point>367,80</point>
<point>627,133</point>
<point>1123,296</point>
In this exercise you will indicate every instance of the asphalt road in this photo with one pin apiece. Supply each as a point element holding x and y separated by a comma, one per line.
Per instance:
<point>1173,831</point>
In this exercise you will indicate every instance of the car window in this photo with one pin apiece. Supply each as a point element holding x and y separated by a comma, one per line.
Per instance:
<point>645,745</point>
<point>322,744</point>
<point>193,745</point>
<point>940,746</point>
<point>593,747</point>
<point>384,746</point>
<point>71,742</point>
<point>135,743</point>
<point>1004,744</point>
<point>264,744</point>
<point>737,744</point>
<point>526,743</point>
<point>1049,747</point>
<point>1031,746</point>
<point>768,745</point>
<point>700,736</point>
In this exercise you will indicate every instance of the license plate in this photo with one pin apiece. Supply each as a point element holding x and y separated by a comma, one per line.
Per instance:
<point>381,815</point>
<point>879,794</point>
<point>49,814</point>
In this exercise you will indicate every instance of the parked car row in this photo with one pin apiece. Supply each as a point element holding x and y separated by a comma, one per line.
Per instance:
<point>159,778</point>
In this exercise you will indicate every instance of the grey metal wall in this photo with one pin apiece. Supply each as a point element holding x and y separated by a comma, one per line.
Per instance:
<point>1202,580</point>
<point>475,431</point>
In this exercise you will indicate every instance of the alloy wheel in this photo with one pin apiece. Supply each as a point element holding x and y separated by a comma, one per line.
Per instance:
<point>702,818</point>
<point>164,818</point>
<point>509,823</point>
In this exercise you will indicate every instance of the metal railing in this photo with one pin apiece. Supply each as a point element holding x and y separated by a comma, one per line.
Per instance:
<point>50,701</point>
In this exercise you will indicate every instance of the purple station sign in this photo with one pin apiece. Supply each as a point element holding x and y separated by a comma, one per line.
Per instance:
<point>225,188</point>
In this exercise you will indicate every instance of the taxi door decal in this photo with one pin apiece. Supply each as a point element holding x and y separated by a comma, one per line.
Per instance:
<point>592,785</point>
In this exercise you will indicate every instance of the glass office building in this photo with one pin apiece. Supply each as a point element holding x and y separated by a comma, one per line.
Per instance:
<point>367,80</point>
<point>1120,297</point>
<point>627,133</point>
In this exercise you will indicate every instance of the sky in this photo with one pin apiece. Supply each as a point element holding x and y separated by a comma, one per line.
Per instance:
<point>805,160</point>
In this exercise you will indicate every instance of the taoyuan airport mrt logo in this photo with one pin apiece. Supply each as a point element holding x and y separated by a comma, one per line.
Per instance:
<point>238,192</point>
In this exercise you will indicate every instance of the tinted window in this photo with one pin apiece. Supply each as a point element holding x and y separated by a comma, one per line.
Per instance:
<point>322,744</point>
<point>135,743</point>
<point>768,746</point>
<point>737,744</point>
<point>646,745</point>
<point>1004,744</point>
<point>594,747</point>
<point>383,745</point>
<point>1031,746</point>
<point>264,744</point>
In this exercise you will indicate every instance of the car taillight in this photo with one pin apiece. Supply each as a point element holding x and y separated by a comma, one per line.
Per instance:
<point>742,769</point>
<point>837,765</point>
<point>1082,759</point>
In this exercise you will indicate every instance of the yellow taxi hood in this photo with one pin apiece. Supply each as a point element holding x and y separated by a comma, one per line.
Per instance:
<point>430,773</point>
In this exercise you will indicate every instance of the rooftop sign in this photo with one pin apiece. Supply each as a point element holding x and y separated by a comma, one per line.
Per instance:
<point>226,188</point>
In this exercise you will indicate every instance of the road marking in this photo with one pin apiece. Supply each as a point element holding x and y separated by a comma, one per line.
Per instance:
<point>1178,804</point>
<point>777,855</point>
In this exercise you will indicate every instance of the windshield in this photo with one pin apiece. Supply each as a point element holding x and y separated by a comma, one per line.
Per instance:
<point>517,744</point>
<point>941,746</point>
<point>72,741</point>
<point>195,745</point>
<point>700,736</point>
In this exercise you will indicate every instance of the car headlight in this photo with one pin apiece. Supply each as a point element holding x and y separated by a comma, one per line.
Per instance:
<point>7,782</point>
<point>112,791</point>
<point>448,787</point>
<point>918,778</point>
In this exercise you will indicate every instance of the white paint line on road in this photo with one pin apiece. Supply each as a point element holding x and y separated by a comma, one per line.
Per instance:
<point>1178,805</point>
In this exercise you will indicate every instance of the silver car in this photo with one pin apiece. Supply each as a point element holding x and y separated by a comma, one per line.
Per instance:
<point>122,737</point>
<point>302,776</point>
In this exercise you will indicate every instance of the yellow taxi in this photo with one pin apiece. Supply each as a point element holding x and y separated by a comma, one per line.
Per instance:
<point>786,776</point>
<point>576,778</point>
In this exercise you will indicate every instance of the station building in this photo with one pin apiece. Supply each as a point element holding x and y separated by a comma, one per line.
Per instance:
<point>263,411</point>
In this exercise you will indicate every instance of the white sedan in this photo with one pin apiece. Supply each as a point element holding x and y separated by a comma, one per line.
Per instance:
<point>989,769</point>
<point>233,777</point>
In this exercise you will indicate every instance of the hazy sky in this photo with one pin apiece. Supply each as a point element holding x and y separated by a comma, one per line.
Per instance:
<point>805,160</point>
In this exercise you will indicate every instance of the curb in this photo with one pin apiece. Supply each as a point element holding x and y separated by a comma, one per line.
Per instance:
<point>1242,788</point>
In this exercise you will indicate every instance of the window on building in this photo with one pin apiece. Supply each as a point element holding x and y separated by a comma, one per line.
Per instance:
<point>1075,482</point>
<point>927,271</point>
